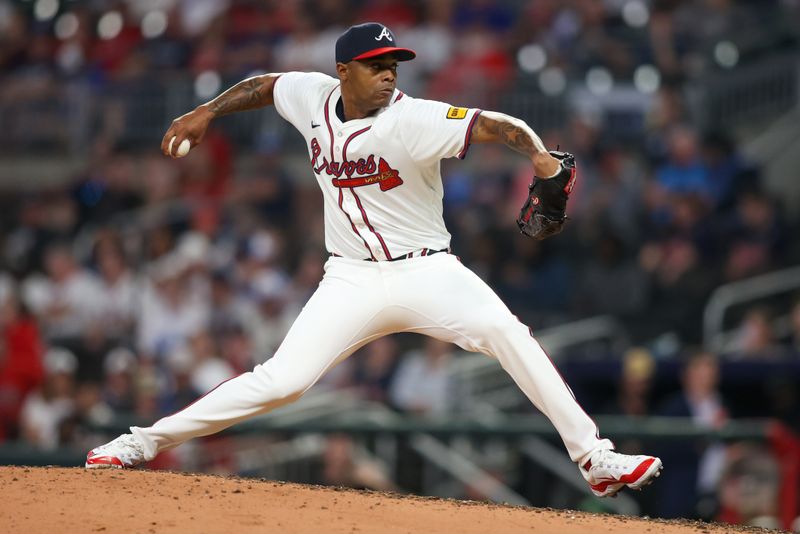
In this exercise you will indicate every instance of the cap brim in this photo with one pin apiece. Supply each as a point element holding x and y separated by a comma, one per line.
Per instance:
<point>402,54</point>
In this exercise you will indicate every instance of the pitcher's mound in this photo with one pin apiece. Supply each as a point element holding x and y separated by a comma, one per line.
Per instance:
<point>77,500</point>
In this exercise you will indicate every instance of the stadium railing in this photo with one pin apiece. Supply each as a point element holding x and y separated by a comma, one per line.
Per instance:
<point>716,334</point>
<point>750,94</point>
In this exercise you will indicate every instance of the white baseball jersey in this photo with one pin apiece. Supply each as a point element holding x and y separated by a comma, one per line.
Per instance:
<point>380,175</point>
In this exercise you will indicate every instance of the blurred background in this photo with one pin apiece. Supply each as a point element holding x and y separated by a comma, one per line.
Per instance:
<point>130,283</point>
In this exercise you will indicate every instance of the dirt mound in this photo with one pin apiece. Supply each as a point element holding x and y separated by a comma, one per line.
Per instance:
<point>77,500</point>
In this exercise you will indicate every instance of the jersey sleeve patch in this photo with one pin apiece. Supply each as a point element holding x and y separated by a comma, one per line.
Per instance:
<point>456,113</point>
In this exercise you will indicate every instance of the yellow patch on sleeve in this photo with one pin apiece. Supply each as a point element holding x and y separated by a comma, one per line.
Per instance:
<point>456,113</point>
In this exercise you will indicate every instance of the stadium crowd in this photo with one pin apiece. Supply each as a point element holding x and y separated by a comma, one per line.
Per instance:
<point>138,283</point>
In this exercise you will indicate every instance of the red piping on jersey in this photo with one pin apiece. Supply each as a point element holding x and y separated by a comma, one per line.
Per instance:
<point>468,135</point>
<point>341,196</point>
<point>358,200</point>
<point>328,121</point>
<point>399,96</point>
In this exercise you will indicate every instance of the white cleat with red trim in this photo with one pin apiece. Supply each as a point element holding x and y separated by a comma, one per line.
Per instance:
<point>608,471</point>
<point>125,451</point>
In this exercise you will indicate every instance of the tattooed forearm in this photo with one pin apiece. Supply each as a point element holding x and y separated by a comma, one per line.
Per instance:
<point>252,93</point>
<point>514,133</point>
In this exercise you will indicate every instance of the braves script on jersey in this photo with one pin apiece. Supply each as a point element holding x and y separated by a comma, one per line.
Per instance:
<point>379,175</point>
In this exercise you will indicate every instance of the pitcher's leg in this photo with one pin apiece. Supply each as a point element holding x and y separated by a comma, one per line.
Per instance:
<point>532,370</point>
<point>473,317</point>
<point>340,317</point>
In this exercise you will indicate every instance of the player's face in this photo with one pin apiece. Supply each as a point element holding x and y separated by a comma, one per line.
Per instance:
<point>372,81</point>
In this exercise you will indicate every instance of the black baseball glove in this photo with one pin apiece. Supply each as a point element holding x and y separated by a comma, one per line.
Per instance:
<point>544,212</point>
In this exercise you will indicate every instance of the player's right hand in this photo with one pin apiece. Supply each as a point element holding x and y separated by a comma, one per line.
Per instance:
<point>191,126</point>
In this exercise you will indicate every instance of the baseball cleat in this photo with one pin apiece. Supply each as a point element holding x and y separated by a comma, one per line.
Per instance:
<point>608,471</point>
<point>125,451</point>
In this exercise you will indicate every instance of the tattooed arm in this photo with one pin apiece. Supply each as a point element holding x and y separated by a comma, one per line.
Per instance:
<point>493,127</point>
<point>252,93</point>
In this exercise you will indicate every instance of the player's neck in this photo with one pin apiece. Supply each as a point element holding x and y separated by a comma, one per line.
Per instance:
<point>348,110</point>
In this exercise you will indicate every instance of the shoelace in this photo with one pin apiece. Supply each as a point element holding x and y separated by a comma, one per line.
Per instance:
<point>134,445</point>
<point>129,443</point>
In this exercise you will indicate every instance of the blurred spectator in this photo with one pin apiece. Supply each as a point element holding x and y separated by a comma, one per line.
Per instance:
<point>237,350</point>
<point>536,283</point>
<point>422,384</point>
<point>725,168</point>
<point>67,299</point>
<point>756,236</point>
<point>20,362</point>
<point>118,291</point>
<point>694,467</point>
<point>684,171</point>
<point>150,386</point>
<point>45,409</point>
<point>172,309</point>
<point>108,188</point>
<point>344,466</point>
<point>755,337</point>
<point>680,282</point>
<point>208,369</point>
<point>635,385</point>
<point>375,367</point>
<point>433,43</point>
<point>306,277</point>
<point>634,398</point>
<point>478,70</point>
<point>114,54</point>
<point>91,349</point>
<point>89,411</point>
<point>749,487</point>
<point>611,198</point>
<point>612,283</point>
<point>205,180</point>
<point>494,16</point>
<point>273,314</point>
<point>784,401</point>
<point>14,37</point>
<point>228,310</point>
<point>392,13</point>
<point>197,15</point>
<point>120,380</point>
<point>179,392</point>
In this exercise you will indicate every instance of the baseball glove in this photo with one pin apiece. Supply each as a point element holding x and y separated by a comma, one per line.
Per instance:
<point>544,212</point>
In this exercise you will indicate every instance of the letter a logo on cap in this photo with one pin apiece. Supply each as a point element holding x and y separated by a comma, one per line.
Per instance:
<point>384,33</point>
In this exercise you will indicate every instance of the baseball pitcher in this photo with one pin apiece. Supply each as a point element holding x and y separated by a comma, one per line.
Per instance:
<point>375,153</point>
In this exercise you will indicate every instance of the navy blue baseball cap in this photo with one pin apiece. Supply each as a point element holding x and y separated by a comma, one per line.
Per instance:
<point>369,40</point>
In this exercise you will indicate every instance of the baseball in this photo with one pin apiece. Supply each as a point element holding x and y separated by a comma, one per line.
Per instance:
<point>183,148</point>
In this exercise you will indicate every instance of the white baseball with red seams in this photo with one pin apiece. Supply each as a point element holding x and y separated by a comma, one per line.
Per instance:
<point>383,199</point>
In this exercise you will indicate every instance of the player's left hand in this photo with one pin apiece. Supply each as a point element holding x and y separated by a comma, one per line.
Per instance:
<point>544,211</point>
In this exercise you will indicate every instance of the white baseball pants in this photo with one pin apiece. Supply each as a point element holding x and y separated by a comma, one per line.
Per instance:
<point>359,301</point>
